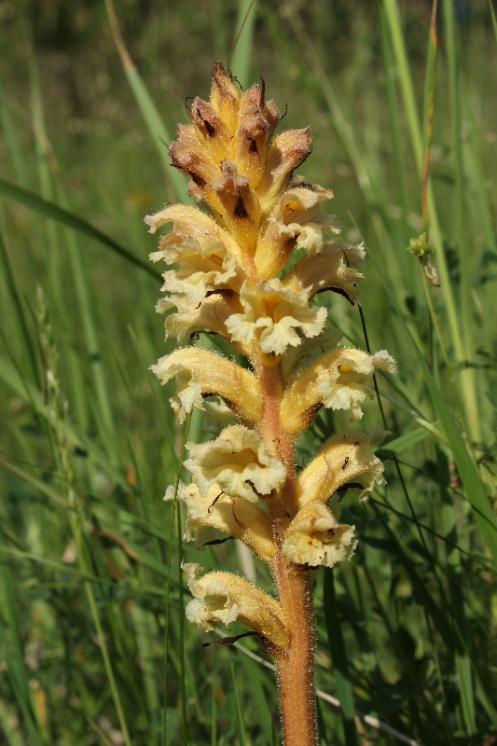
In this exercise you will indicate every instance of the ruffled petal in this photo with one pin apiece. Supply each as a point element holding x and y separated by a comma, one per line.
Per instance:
<point>209,316</point>
<point>192,230</point>
<point>275,318</point>
<point>332,269</point>
<point>206,255</point>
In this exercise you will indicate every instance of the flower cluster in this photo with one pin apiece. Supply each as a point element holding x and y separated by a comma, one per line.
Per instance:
<point>248,269</point>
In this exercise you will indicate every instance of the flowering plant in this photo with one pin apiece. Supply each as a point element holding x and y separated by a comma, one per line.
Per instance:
<point>236,274</point>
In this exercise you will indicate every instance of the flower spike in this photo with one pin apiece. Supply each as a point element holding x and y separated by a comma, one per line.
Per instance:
<point>233,272</point>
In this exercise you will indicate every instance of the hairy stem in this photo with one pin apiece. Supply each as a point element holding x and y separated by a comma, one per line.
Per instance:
<point>295,666</point>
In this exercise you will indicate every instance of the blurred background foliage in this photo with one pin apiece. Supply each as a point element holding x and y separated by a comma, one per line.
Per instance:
<point>93,648</point>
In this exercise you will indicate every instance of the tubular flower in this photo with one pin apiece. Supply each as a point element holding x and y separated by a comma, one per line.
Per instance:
<point>232,271</point>
<point>216,511</point>
<point>315,537</point>
<point>334,269</point>
<point>341,379</point>
<point>345,459</point>
<point>224,597</point>
<point>209,316</point>
<point>274,317</point>
<point>207,259</point>
<point>239,462</point>
<point>200,373</point>
<point>295,221</point>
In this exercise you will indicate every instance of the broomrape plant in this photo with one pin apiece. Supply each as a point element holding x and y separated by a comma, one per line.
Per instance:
<point>236,275</point>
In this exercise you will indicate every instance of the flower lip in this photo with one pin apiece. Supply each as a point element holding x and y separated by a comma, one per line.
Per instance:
<point>209,317</point>
<point>334,268</point>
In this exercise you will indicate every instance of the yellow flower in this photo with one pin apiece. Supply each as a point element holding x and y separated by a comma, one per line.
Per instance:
<point>209,316</point>
<point>202,373</point>
<point>334,268</point>
<point>345,459</point>
<point>295,221</point>
<point>216,511</point>
<point>193,232</point>
<point>223,597</point>
<point>341,379</point>
<point>239,462</point>
<point>205,283</point>
<point>274,317</point>
<point>234,273</point>
<point>315,537</point>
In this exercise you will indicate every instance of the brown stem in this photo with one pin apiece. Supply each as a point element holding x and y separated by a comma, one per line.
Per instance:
<point>295,666</point>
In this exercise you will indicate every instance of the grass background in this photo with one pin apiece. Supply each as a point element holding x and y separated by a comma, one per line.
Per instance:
<point>93,647</point>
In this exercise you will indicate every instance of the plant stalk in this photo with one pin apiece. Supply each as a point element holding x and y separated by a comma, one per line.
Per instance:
<point>295,666</point>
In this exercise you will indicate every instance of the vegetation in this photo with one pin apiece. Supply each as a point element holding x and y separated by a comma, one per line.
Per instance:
<point>94,648</point>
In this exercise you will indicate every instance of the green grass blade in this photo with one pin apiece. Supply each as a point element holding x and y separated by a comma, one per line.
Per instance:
<point>13,655</point>
<point>338,652</point>
<point>493,17</point>
<point>473,486</point>
<point>34,397</point>
<point>410,105</point>
<point>403,442</point>
<point>91,337</point>
<point>12,140</point>
<point>459,235</point>
<point>54,212</point>
<point>238,708</point>
<point>261,705</point>
<point>406,84</point>
<point>157,130</point>
<point>393,113</point>
<point>242,50</point>
<point>17,304</point>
